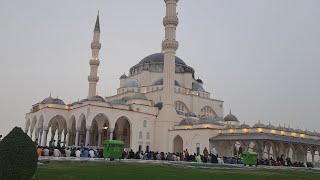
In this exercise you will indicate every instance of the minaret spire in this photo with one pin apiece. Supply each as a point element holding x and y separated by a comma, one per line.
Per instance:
<point>169,47</point>
<point>97,26</point>
<point>168,115</point>
<point>94,61</point>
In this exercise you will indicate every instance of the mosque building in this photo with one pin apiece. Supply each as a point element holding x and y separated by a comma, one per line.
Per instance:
<point>160,106</point>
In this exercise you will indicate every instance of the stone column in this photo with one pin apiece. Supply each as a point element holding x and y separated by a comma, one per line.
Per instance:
<point>77,139</point>
<point>312,156</point>
<point>294,155</point>
<point>68,139</point>
<point>268,152</point>
<point>87,137</point>
<point>65,139</point>
<point>305,154</point>
<point>40,138</point>
<point>44,138</point>
<point>111,133</point>
<point>31,133</point>
<point>99,137</point>
<point>36,135</point>
<point>59,135</point>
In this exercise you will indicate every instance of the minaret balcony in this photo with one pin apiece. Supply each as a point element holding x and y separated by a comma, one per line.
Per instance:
<point>170,45</point>
<point>93,79</point>
<point>172,1</point>
<point>171,20</point>
<point>94,62</point>
<point>96,45</point>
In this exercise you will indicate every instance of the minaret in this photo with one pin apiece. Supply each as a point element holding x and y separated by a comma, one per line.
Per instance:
<point>168,115</point>
<point>94,61</point>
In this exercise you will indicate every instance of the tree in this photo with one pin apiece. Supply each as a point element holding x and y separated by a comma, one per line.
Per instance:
<point>18,156</point>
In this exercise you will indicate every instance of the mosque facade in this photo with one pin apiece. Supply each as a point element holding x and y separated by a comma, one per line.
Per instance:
<point>160,106</point>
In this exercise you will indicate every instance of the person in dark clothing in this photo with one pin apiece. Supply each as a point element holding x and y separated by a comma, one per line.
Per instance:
<point>131,154</point>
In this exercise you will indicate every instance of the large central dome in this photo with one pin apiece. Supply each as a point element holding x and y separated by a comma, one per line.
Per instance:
<point>155,63</point>
<point>159,58</point>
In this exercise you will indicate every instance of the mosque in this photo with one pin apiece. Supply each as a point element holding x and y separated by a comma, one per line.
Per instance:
<point>160,106</point>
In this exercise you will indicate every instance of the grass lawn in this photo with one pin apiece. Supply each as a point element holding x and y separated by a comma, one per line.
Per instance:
<point>93,171</point>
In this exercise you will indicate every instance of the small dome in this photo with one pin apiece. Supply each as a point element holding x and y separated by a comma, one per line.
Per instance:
<point>270,126</point>
<point>97,98</point>
<point>58,101</point>
<point>231,127</point>
<point>244,126</point>
<point>84,100</point>
<point>199,81</point>
<point>118,102</point>
<point>281,128</point>
<point>197,87</point>
<point>75,103</point>
<point>50,100</point>
<point>316,133</point>
<point>139,96</point>
<point>159,105</point>
<point>132,83</point>
<point>308,132</point>
<point>124,76</point>
<point>259,125</point>
<point>290,129</point>
<point>299,131</point>
<point>231,117</point>
<point>188,121</point>
<point>209,120</point>
<point>159,58</point>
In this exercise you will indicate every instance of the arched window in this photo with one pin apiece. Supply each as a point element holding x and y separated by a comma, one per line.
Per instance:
<point>140,135</point>
<point>181,107</point>
<point>207,111</point>
<point>148,135</point>
<point>145,123</point>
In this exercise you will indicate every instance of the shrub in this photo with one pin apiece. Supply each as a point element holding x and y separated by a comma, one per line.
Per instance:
<point>18,156</point>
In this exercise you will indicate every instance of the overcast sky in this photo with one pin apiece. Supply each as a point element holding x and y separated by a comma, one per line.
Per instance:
<point>261,57</point>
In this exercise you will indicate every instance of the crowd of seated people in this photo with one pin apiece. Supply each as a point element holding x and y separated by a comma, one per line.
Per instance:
<point>281,161</point>
<point>206,157</point>
<point>69,152</point>
<point>178,156</point>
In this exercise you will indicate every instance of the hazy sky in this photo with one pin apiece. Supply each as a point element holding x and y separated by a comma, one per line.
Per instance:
<point>261,57</point>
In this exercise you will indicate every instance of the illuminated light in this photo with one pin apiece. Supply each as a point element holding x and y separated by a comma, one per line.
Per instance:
<point>293,134</point>
<point>302,135</point>
<point>273,131</point>
<point>283,133</point>
<point>246,130</point>
<point>105,127</point>
<point>259,129</point>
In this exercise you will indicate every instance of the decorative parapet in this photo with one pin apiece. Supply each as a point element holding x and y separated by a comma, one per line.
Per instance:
<point>170,45</point>
<point>93,79</point>
<point>94,62</point>
<point>169,20</point>
<point>96,45</point>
